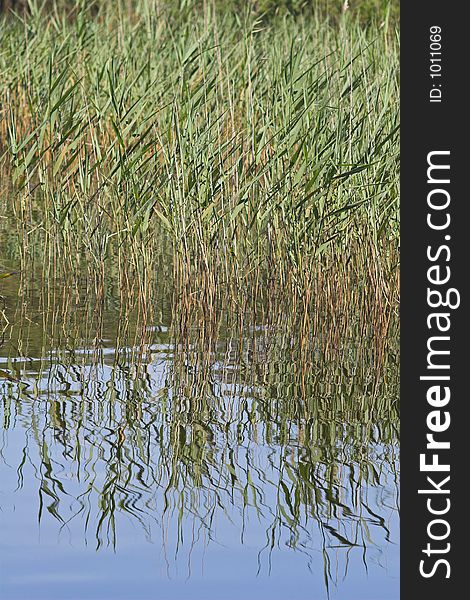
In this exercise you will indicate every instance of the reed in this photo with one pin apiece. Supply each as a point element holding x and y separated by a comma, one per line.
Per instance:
<point>199,214</point>
<point>257,157</point>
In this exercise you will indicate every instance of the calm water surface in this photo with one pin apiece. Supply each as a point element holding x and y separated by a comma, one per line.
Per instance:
<point>143,471</point>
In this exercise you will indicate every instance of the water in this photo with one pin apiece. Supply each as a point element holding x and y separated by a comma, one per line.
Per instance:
<point>133,467</point>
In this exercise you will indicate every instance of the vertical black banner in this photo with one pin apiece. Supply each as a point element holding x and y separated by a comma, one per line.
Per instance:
<point>434,327</point>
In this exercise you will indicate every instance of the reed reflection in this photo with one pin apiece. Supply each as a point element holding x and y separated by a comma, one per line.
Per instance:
<point>203,441</point>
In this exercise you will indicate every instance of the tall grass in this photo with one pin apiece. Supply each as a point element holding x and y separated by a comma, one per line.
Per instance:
<point>229,178</point>
<point>257,157</point>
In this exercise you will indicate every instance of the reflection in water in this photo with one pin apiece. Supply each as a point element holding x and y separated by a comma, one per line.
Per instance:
<point>234,451</point>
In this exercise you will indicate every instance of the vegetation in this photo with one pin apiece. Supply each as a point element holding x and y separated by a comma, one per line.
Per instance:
<point>366,10</point>
<point>250,154</point>
<point>199,271</point>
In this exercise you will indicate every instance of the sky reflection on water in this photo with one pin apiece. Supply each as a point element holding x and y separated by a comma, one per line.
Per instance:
<point>139,485</point>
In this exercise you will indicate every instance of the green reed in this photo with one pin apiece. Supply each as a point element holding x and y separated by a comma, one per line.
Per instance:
<point>199,210</point>
<point>251,154</point>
